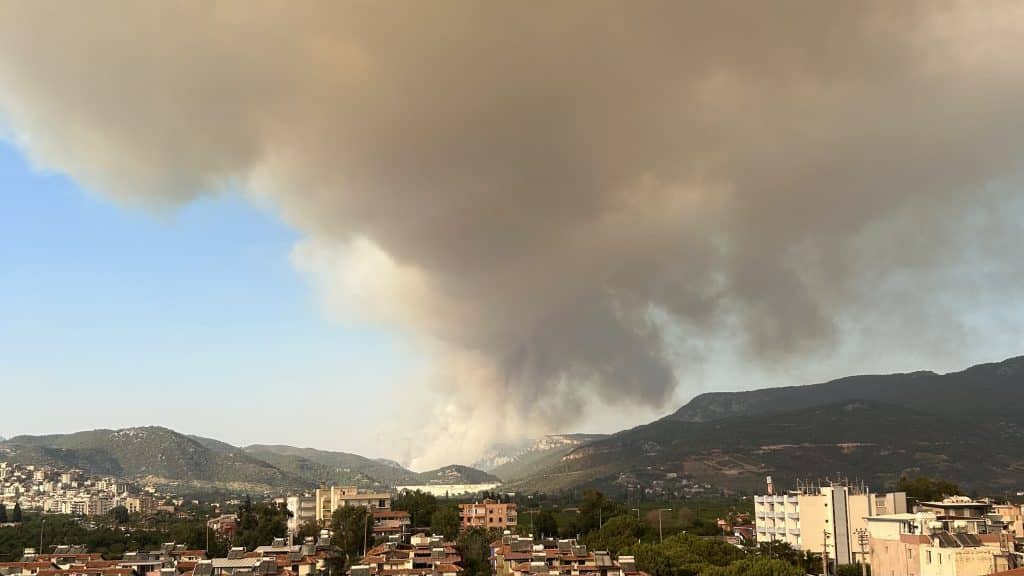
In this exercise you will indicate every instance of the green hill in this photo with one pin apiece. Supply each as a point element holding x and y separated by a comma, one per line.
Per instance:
<point>339,468</point>
<point>153,453</point>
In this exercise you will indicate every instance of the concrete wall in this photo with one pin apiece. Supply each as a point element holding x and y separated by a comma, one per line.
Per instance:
<point>452,489</point>
<point>894,558</point>
<point>956,561</point>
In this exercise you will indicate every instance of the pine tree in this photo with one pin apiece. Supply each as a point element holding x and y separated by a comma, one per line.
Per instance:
<point>16,516</point>
<point>3,514</point>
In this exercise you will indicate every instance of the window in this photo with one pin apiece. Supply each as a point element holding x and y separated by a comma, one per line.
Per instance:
<point>928,556</point>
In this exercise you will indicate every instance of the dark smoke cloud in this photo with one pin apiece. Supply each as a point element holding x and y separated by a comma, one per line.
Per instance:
<point>565,200</point>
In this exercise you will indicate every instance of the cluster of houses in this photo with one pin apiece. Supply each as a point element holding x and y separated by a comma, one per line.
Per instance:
<point>317,508</point>
<point>422,555</point>
<point>416,555</point>
<point>514,555</point>
<point>277,559</point>
<point>403,553</point>
<point>56,491</point>
<point>848,524</point>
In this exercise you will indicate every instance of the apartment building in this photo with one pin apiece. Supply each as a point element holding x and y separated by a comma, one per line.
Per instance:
<point>330,499</point>
<point>488,514</point>
<point>1011,517</point>
<point>963,514</point>
<point>918,544</point>
<point>823,517</point>
<point>391,522</point>
<point>303,509</point>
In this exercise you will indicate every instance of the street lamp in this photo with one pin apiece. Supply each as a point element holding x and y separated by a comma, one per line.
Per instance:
<point>638,521</point>
<point>661,537</point>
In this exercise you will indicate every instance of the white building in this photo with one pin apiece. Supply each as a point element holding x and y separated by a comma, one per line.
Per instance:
<point>303,509</point>
<point>823,517</point>
<point>444,490</point>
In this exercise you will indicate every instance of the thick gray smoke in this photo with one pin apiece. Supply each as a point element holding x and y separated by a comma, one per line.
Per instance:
<point>566,201</point>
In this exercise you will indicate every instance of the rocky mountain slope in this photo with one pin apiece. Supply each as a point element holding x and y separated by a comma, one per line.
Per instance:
<point>515,461</point>
<point>964,426</point>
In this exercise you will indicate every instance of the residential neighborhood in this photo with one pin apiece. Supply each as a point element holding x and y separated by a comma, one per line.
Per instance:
<point>57,491</point>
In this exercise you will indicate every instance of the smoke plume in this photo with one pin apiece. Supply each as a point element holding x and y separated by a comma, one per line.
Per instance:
<point>567,203</point>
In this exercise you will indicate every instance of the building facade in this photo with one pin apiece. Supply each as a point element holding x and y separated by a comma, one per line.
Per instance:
<point>303,509</point>
<point>919,545</point>
<point>488,514</point>
<point>823,518</point>
<point>330,499</point>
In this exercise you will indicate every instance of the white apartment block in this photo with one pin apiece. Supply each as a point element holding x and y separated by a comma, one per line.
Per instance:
<point>823,517</point>
<point>303,509</point>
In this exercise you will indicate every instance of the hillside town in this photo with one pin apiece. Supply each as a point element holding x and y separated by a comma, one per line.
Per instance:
<point>56,491</point>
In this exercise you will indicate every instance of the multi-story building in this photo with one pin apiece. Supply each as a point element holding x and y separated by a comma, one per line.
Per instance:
<point>303,509</point>
<point>1011,517</point>
<point>823,518</point>
<point>391,522</point>
<point>918,544</point>
<point>330,499</point>
<point>963,514</point>
<point>488,514</point>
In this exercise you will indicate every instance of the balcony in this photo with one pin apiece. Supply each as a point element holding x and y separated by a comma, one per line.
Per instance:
<point>780,515</point>
<point>793,515</point>
<point>794,531</point>
<point>759,499</point>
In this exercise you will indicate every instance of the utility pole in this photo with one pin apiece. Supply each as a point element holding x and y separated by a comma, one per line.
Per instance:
<point>42,523</point>
<point>862,539</point>
<point>638,521</point>
<point>661,537</point>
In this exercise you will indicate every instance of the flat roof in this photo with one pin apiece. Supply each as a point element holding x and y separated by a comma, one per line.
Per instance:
<point>896,517</point>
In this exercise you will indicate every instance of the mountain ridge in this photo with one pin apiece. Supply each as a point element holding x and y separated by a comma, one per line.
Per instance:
<point>905,385</point>
<point>732,440</point>
<point>164,456</point>
<point>149,452</point>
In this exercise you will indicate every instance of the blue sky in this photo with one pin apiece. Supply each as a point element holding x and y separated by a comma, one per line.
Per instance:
<point>110,315</point>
